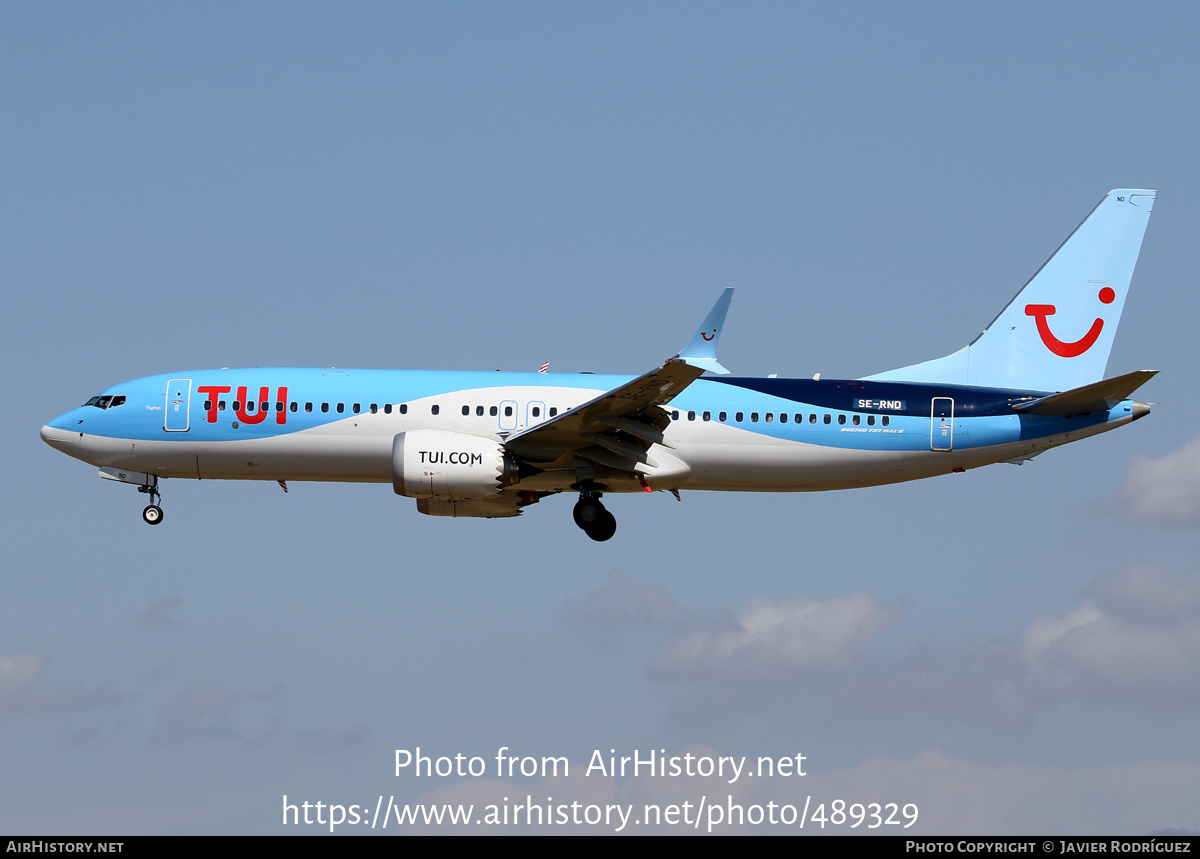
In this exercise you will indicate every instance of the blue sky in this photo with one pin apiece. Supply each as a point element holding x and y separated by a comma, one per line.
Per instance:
<point>490,186</point>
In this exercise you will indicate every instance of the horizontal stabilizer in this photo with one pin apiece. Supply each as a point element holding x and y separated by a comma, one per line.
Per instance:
<point>1096,397</point>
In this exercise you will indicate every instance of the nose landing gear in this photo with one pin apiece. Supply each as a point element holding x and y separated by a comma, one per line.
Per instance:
<point>153,513</point>
<point>592,517</point>
<point>147,484</point>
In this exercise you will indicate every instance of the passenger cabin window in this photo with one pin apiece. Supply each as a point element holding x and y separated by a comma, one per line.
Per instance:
<point>841,420</point>
<point>279,407</point>
<point>466,410</point>
<point>387,408</point>
<point>508,411</point>
<point>357,408</point>
<point>691,416</point>
<point>754,417</point>
<point>707,416</point>
<point>434,409</point>
<point>553,411</point>
<point>885,420</point>
<point>870,420</point>
<point>220,405</point>
<point>812,419</point>
<point>738,417</point>
<point>308,407</point>
<point>537,411</point>
<point>770,416</point>
<point>828,419</point>
<point>675,415</point>
<point>341,408</point>
<point>479,411</point>
<point>295,406</point>
<point>783,417</point>
<point>324,407</point>
<point>374,408</point>
<point>493,411</point>
<point>722,416</point>
<point>404,409</point>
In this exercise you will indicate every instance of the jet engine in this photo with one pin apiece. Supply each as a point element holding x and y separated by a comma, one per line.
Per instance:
<point>443,464</point>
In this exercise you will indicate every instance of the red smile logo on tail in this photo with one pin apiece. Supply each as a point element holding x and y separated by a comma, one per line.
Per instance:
<point>1067,350</point>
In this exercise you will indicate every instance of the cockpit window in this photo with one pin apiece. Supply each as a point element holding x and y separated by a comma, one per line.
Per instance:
<point>106,402</point>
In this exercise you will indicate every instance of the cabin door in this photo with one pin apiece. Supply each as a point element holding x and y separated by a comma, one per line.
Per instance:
<point>179,401</point>
<point>941,424</point>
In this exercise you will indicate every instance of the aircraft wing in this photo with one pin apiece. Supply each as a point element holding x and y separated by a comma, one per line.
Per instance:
<point>622,408</point>
<point>618,427</point>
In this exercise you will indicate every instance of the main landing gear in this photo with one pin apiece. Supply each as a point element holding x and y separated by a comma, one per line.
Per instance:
<point>153,513</point>
<point>592,517</point>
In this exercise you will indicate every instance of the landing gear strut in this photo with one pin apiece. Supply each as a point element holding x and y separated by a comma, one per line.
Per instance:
<point>147,484</point>
<point>590,515</point>
<point>153,513</point>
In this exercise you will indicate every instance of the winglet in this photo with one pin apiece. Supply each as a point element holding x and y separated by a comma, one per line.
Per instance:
<point>701,351</point>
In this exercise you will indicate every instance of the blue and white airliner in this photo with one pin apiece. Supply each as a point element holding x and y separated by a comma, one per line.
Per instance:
<point>489,444</point>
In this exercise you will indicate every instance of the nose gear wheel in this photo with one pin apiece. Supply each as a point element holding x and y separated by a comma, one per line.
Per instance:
<point>152,514</point>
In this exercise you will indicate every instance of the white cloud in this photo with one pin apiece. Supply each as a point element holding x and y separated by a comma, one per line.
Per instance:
<point>1138,638</point>
<point>17,673</point>
<point>1164,490</point>
<point>770,640</point>
<point>624,603</point>
<point>22,689</point>
<point>1134,637</point>
<point>209,711</point>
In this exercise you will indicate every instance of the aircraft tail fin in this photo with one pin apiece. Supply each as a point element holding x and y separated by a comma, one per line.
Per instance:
<point>1056,334</point>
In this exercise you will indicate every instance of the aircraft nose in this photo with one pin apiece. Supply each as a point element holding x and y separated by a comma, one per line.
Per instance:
<point>60,439</point>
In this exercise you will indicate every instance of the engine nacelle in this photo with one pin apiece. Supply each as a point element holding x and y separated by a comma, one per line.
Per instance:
<point>443,464</point>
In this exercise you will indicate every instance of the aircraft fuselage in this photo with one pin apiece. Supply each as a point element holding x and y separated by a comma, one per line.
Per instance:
<point>730,434</point>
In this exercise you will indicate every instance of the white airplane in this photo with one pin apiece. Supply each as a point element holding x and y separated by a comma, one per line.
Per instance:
<point>488,444</point>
